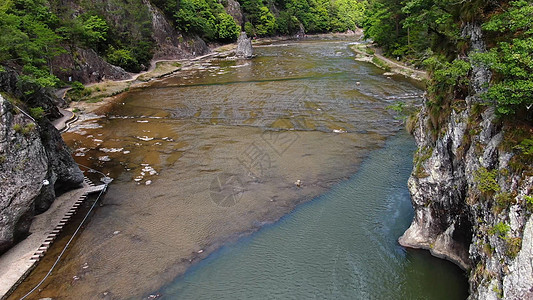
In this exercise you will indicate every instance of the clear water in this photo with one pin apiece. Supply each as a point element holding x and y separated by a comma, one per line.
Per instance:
<point>342,245</point>
<point>315,113</point>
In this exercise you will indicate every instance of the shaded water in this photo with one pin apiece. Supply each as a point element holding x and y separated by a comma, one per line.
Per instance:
<point>343,245</point>
<point>211,154</point>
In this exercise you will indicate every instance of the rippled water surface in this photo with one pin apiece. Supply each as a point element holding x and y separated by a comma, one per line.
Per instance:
<point>212,154</point>
<point>340,246</point>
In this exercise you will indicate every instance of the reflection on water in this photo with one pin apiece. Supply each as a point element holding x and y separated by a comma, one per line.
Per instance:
<point>213,153</point>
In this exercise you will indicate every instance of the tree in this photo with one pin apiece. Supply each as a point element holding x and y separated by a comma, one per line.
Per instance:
<point>227,28</point>
<point>511,59</point>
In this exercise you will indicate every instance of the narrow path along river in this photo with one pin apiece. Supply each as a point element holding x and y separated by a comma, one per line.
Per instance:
<point>212,154</point>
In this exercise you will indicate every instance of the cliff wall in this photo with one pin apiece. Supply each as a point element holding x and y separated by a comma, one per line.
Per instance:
<point>35,163</point>
<point>470,193</point>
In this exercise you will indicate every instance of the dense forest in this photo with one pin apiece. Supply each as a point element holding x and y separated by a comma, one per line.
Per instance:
<point>425,33</point>
<point>428,34</point>
<point>35,31</point>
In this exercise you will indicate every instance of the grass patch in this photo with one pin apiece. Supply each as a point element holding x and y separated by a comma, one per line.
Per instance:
<point>381,64</point>
<point>26,130</point>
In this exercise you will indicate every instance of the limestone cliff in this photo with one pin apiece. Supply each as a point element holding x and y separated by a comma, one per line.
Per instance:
<point>35,163</point>
<point>470,192</point>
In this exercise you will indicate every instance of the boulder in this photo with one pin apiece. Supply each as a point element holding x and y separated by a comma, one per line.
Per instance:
<point>244,46</point>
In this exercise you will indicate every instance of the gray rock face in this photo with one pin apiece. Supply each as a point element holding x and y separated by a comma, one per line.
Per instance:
<point>244,46</point>
<point>453,218</point>
<point>86,66</point>
<point>34,163</point>
<point>171,44</point>
<point>233,8</point>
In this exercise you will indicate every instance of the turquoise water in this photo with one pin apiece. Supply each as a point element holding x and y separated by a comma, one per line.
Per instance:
<point>341,245</point>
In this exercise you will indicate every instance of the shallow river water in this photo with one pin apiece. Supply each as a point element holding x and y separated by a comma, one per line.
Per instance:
<point>204,158</point>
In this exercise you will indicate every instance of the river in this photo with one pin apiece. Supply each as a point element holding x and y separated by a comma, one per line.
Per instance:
<point>208,157</point>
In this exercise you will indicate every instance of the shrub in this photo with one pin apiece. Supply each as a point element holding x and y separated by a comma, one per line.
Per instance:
<point>500,229</point>
<point>122,58</point>
<point>77,86</point>
<point>503,200</point>
<point>228,30</point>
<point>381,64</point>
<point>513,246</point>
<point>249,29</point>
<point>17,128</point>
<point>37,113</point>
<point>486,180</point>
<point>529,202</point>
<point>419,158</point>
<point>526,147</point>
<point>28,128</point>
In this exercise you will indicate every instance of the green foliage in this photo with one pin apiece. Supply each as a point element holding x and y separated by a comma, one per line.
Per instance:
<point>37,113</point>
<point>249,29</point>
<point>315,15</point>
<point>380,63</point>
<point>397,107</point>
<point>504,199</point>
<point>29,38</point>
<point>510,59</point>
<point>91,30</point>
<point>419,158</point>
<point>122,57</point>
<point>17,128</point>
<point>28,128</point>
<point>78,91</point>
<point>77,86</point>
<point>39,76</point>
<point>382,24</point>
<point>486,180</point>
<point>529,202</point>
<point>525,147</point>
<point>500,229</point>
<point>206,18</point>
<point>228,30</point>
<point>267,22</point>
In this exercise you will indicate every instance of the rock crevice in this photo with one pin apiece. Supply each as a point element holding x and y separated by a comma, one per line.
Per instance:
<point>455,217</point>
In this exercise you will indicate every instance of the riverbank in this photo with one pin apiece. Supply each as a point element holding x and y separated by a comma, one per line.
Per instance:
<point>170,144</point>
<point>96,97</point>
<point>368,53</point>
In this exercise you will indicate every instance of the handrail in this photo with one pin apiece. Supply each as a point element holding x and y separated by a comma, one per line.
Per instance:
<point>106,180</point>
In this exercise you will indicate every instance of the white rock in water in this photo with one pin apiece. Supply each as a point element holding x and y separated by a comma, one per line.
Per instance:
<point>244,47</point>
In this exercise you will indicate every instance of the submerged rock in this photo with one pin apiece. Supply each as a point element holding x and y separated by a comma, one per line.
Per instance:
<point>244,46</point>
